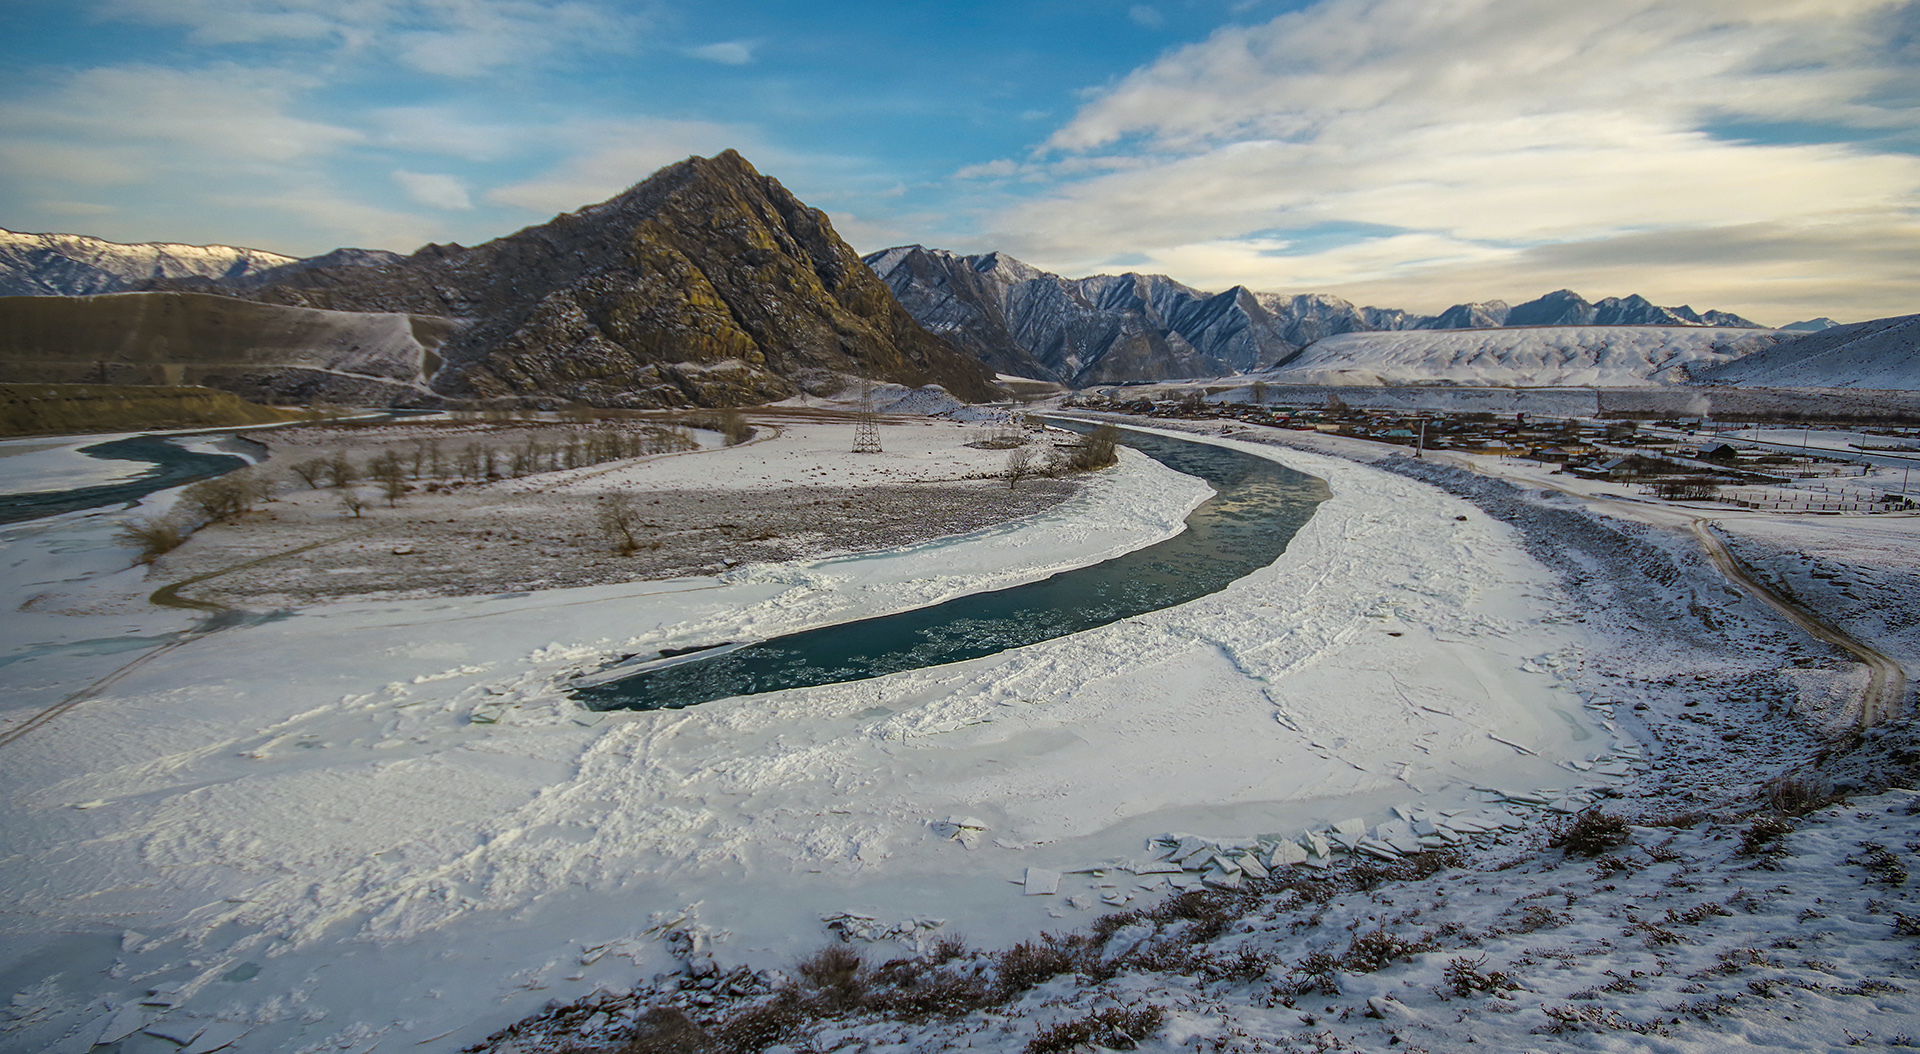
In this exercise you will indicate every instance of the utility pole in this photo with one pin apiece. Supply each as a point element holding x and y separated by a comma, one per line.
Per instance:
<point>1419,450</point>
<point>866,427</point>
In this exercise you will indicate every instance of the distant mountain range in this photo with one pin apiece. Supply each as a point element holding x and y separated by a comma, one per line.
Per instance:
<point>76,265</point>
<point>706,284</point>
<point>1132,327</point>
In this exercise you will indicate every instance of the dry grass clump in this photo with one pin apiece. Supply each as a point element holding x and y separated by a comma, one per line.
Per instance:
<point>1592,833</point>
<point>1764,834</point>
<point>1798,795</point>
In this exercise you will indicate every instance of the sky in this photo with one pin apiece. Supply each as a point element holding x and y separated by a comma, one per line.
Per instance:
<point>1756,156</point>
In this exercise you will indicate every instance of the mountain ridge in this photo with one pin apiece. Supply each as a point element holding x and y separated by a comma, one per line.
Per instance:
<point>1105,329</point>
<point>81,265</point>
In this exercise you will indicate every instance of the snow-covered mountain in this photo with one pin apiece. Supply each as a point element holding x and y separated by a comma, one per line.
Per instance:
<point>1027,322</point>
<point>1883,353</point>
<point>77,265</point>
<point>1812,325</point>
<point>1599,356</point>
<point>1132,327</point>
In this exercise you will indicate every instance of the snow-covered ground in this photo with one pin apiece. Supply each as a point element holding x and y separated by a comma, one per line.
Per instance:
<point>385,825</point>
<point>1597,356</point>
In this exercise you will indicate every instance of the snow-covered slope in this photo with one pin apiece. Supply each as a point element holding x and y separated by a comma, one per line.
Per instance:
<point>77,265</point>
<point>1883,353</point>
<point>1601,356</point>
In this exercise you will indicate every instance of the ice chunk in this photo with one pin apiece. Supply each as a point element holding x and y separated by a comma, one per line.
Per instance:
<point>219,1036</point>
<point>1286,854</point>
<point>1041,882</point>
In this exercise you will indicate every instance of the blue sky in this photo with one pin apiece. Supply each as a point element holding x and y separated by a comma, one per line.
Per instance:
<point>1761,156</point>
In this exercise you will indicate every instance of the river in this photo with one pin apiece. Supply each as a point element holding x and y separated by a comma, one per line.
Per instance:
<point>1256,510</point>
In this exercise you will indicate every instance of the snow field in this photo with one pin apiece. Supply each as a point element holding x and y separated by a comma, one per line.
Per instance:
<point>1548,356</point>
<point>300,792</point>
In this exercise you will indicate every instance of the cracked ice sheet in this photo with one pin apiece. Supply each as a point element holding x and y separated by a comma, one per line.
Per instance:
<point>295,795</point>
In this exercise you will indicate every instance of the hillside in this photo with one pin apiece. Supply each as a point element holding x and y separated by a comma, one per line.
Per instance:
<point>1882,354</point>
<point>708,283</point>
<point>46,409</point>
<point>77,265</point>
<point>1608,356</point>
<point>268,352</point>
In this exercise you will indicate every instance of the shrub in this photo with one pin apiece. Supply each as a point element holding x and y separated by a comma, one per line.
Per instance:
<point>1372,952</point>
<point>1118,1028</point>
<point>151,537</point>
<point>1030,964</point>
<point>619,520</point>
<point>1098,450</point>
<point>1591,833</point>
<point>1464,976</point>
<point>1316,972</point>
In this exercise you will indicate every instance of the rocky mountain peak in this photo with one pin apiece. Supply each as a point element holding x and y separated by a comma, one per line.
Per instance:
<point>707,283</point>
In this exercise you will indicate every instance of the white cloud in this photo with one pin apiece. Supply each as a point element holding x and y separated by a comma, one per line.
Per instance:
<point>727,52</point>
<point>1146,16</point>
<point>434,190</point>
<point>607,157</point>
<point>1483,129</point>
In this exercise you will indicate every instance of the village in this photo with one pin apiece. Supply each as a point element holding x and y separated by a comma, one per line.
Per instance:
<point>1740,463</point>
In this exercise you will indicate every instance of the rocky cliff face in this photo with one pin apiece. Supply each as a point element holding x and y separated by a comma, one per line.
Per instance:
<point>707,284</point>
<point>1116,328</point>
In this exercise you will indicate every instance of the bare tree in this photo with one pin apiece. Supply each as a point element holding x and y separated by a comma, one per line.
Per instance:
<point>619,521</point>
<point>1098,450</point>
<point>220,499</point>
<point>1019,465</point>
<point>311,471</point>
<point>391,475</point>
<point>340,470</point>
<point>352,502</point>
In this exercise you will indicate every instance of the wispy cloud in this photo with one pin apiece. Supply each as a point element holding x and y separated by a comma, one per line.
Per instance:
<point>435,190</point>
<point>449,38</point>
<point>726,52</point>
<point>122,123</point>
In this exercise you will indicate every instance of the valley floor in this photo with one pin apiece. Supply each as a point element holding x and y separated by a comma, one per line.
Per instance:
<point>385,826</point>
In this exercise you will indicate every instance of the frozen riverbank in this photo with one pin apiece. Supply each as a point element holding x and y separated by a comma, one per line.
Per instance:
<point>303,817</point>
